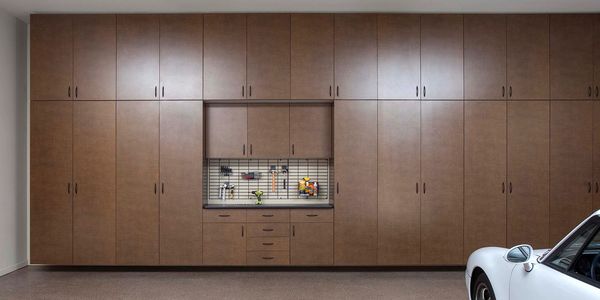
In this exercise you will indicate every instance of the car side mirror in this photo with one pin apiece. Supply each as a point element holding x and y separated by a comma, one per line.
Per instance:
<point>519,254</point>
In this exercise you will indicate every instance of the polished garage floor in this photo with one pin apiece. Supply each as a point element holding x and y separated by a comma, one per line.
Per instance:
<point>59,283</point>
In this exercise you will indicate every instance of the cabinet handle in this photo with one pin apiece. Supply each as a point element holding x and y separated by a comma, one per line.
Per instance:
<point>417,187</point>
<point>69,92</point>
<point>163,91</point>
<point>503,187</point>
<point>243,91</point>
<point>424,187</point>
<point>249,91</point>
<point>267,216</point>
<point>244,149</point>
<point>330,91</point>
<point>310,216</point>
<point>155,188</point>
<point>589,91</point>
<point>155,91</point>
<point>242,230</point>
<point>250,149</point>
<point>76,92</point>
<point>293,149</point>
<point>510,187</point>
<point>267,229</point>
<point>589,187</point>
<point>162,188</point>
<point>597,91</point>
<point>267,244</point>
<point>75,188</point>
<point>424,91</point>
<point>417,91</point>
<point>337,91</point>
<point>597,187</point>
<point>224,216</point>
<point>510,91</point>
<point>69,188</point>
<point>337,188</point>
<point>503,91</point>
<point>268,257</point>
<point>293,230</point>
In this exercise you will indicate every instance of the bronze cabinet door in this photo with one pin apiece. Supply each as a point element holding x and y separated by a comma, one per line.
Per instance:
<point>51,53</point>
<point>571,56</point>
<point>181,172</point>
<point>311,244</point>
<point>398,183</point>
<point>269,130</point>
<point>571,171</point>
<point>355,56</point>
<point>485,175</point>
<point>225,56</point>
<point>485,57</point>
<point>528,55</point>
<point>355,195</point>
<point>137,182</point>
<point>596,153</point>
<point>181,56</point>
<point>94,163</point>
<point>442,176</point>
<point>398,56</point>
<point>310,130</point>
<point>51,206</point>
<point>95,57</point>
<point>224,244</point>
<point>528,157</point>
<point>312,56</point>
<point>442,56</point>
<point>137,57</point>
<point>268,72</point>
<point>226,131</point>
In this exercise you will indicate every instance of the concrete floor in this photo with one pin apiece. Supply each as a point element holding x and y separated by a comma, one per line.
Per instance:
<point>114,283</point>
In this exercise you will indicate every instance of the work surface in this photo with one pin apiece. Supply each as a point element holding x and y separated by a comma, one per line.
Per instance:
<point>52,283</point>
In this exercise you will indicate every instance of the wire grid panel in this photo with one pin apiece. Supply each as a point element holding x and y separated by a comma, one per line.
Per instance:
<point>278,185</point>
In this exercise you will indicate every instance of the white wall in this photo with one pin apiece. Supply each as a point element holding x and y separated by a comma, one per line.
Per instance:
<point>13,143</point>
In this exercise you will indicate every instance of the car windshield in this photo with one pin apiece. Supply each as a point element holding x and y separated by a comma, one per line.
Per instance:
<point>565,255</point>
<point>588,262</point>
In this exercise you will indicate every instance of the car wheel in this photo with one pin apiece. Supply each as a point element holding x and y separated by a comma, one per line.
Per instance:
<point>483,288</point>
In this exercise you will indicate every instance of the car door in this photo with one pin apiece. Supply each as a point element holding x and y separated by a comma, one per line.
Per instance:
<point>566,272</point>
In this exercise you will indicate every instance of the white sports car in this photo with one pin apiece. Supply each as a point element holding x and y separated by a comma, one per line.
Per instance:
<point>570,270</point>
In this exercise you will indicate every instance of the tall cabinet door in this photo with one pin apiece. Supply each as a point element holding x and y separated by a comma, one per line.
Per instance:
<point>356,183</point>
<point>399,176</point>
<point>485,57</point>
<point>571,178</point>
<point>94,163</point>
<point>312,56</point>
<point>181,183</point>
<point>596,153</point>
<point>51,53</point>
<point>355,56</point>
<point>399,56</point>
<point>528,55</point>
<point>51,206</point>
<point>226,131</point>
<point>137,57</point>
<point>597,57</point>
<point>95,57</point>
<point>442,177</point>
<point>181,56</point>
<point>137,182</point>
<point>528,143</point>
<point>485,175</point>
<point>269,130</point>
<point>442,56</point>
<point>571,56</point>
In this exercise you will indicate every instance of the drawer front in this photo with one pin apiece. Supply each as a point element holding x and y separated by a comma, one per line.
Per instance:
<point>267,258</point>
<point>268,244</point>
<point>268,215</point>
<point>268,229</point>
<point>312,215</point>
<point>224,215</point>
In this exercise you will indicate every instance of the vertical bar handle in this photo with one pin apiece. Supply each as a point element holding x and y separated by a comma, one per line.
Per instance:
<point>337,188</point>
<point>424,91</point>
<point>589,187</point>
<point>242,230</point>
<point>155,188</point>
<point>155,91</point>
<point>510,187</point>
<point>503,187</point>
<point>76,92</point>
<point>69,188</point>
<point>162,187</point>
<point>503,91</point>
<point>417,187</point>
<point>163,91</point>
<point>337,91</point>
<point>293,149</point>
<point>243,95</point>
<point>589,91</point>
<point>69,92</point>
<point>293,230</point>
<point>244,149</point>
<point>417,91</point>
<point>424,187</point>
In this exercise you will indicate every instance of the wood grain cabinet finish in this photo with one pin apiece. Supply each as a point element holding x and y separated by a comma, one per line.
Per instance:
<point>442,176</point>
<point>398,184</point>
<point>181,57</point>
<point>485,175</point>
<point>485,57</point>
<point>528,56</point>
<point>528,144</point>
<point>268,65</point>
<point>571,171</point>
<point>51,54</point>
<point>356,183</point>
<point>226,131</point>
<point>95,57</point>
<point>181,159</point>
<point>138,57</point>
<point>311,244</point>
<point>268,130</point>
<point>596,154</point>
<point>312,56</point>
<point>310,130</point>
<point>571,56</point>
<point>442,56</point>
<point>355,56</point>
<point>137,182</point>
<point>94,164</point>
<point>597,57</point>
<point>398,56</point>
<point>51,205</point>
<point>224,244</point>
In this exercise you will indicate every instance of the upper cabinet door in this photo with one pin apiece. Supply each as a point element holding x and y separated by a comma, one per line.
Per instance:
<point>528,58</point>
<point>51,57</point>
<point>226,130</point>
<point>312,56</point>
<point>268,56</point>
<point>95,57</point>
<point>355,56</point>
<point>485,57</point>
<point>571,56</point>
<point>269,130</point>
<point>137,57</point>
<point>224,56</point>
<point>310,130</point>
<point>181,57</point>
<point>399,56</point>
<point>442,56</point>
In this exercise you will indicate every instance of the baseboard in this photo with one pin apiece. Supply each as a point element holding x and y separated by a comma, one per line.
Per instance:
<point>12,268</point>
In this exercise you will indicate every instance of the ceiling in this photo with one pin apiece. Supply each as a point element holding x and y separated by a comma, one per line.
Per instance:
<point>23,8</point>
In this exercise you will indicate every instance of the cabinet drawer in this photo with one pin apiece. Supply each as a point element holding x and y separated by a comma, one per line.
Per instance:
<point>268,258</point>
<point>268,229</point>
<point>268,215</point>
<point>224,215</point>
<point>268,244</point>
<point>312,215</point>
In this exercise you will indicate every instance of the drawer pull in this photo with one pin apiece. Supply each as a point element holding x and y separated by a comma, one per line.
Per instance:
<point>267,244</point>
<point>312,216</point>
<point>268,257</point>
<point>267,229</point>
<point>224,216</point>
<point>267,216</point>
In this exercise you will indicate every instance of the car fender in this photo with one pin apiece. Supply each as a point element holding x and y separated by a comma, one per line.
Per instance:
<point>498,270</point>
